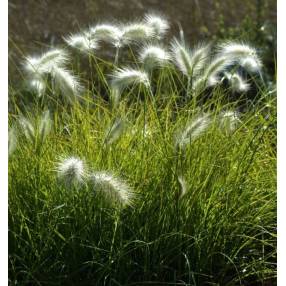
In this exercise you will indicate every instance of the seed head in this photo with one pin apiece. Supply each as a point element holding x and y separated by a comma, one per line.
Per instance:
<point>183,185</point>
<point>113,188</point>
<point>251,64</point>
<point>106,32</point>
<point>193,130</point>
<point>237,83</point>
<point>83,41</point>
<point>27,128</point>
<point>66,82</point>
<point>39,85</point>
<point>152,56</point>
<point>114,132</point>
<point>134,32</point>
<point>236,49</point>
<point>45,126</point>
<point>159,24</point>
<point>42,65</point>
<point>71,171</point>
<point>182,57</point>
<point>126,76</point>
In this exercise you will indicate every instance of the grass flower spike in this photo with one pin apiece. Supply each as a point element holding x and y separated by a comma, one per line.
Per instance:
<point>66,82</point>
<point>106,32</point>
<point>152,56</point>
<point>158,23</point>
<point>113,188</point>
<point>71,171</point>
<point>126,77</point>
<point>45,126</point>
<point>193,130</point>
<point>182,57</point>
<point>27,128</point>
<point>42,65</point>
<point>83,42</point>
<point>237,83</point>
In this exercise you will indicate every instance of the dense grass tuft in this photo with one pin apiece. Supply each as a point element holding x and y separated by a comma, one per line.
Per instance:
<point>173,186</point>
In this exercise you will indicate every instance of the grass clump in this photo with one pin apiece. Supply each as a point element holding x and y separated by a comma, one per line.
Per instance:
<point>173,184</point>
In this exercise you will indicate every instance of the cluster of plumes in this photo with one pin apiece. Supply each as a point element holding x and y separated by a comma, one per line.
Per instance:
<point>206,69</point>
<point>151,27</point>
<point>227,121</point>
<point>204,66</point>
<point>52,65</point>
<point>72,172</point>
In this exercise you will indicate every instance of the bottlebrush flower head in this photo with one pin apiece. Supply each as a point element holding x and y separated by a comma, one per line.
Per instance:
<point>193,130</point>
<point>71,171</point>
<point>82,41</point>
<point>114,189</point>
<point>154,56</point>
<point>45,63</point>
<point>126,76</point>
<point>158,23</point>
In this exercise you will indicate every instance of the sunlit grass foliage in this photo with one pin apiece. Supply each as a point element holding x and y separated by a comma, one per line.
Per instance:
<point>155,166</point>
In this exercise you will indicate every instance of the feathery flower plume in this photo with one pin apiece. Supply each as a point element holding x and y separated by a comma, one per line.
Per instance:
<point>193,130</point>
<point>45,125</point>
<point>114,132</point>
<point>199,58</point>
<point>71,171</point>
<point>115,96</point>
<point>152,56</point>
<point>158,23</point>
<point>237,83</point>
<point>228,121</point>
<point>237,50</point>
<point>12,141</point>
<point>67,83</point>
<point>190,62</point>
<point>244,54</point>
<point>182,57</point>
<point>105,32</point>
<point>210,74</point>
<point>135,32</point>
<point>184,185</point>
<point>27,128</point>
<point>123,35</point>
<point>44,64</point>
<point>113,188</point>
<point>252,65</point>
<point>126,76</point>
<point>39,85</point>
<point>83,41</point>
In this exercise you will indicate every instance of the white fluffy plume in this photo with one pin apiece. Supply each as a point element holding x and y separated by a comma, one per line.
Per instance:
<point>158,23</point>
<point>193,130</point>
<point>82,41</point>
<point>45,63</point>
<point>113,188</point>
<point>106,32</point>
<point>66,82</point>
<point>126,76</point>
<point>71,171</point>
<point>154,56</point>
<point>237,83</point>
